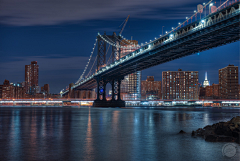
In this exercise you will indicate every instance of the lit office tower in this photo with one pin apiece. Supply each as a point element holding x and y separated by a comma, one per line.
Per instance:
<point>180,84</point>
<point>31,77</point>
<point>206,82</point>
<point>131,85</point>
<point>228,82</point>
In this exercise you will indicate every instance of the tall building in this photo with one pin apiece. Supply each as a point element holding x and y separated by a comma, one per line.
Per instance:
<point>150,89</point>
<point>206,82</point>
<point>131,85</point>
<point>180,84</point>
<point>228,82</point>
<point>31,77</point>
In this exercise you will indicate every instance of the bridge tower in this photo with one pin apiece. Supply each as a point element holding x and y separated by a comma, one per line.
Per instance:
<point>103,80</point>
<point>101,55</point>
<point>115,50</point>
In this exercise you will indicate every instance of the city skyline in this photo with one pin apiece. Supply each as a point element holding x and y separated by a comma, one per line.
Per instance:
<point>172,86</point>
<point>200,80</point>
<point>63,48</point>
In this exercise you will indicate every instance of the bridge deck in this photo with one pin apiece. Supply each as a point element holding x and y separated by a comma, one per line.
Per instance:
<point>218,29</point>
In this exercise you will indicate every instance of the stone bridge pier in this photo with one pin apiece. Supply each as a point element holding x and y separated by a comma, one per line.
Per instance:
<point>101,92</point>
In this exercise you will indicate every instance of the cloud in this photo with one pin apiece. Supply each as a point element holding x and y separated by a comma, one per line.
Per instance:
<point>50,12</point>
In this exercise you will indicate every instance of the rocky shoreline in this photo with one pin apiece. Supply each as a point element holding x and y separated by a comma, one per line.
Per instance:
<point>221,132</point>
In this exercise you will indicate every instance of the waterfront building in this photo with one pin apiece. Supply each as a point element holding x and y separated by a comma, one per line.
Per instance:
<point>215,91</point>
<point>228,82</point>
<point>180,84</point>
<point>31,78</point>
<point>209,91</point>
<point>202,92</point>
<point>7,90</point>
<point>19,91</point>
<point>150,89</point>
<point>10,90</point>
<point>45,89</point>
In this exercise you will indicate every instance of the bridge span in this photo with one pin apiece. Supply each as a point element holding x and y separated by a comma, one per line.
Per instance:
<point>219,28</point>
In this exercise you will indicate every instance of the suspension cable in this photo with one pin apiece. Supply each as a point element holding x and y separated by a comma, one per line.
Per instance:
<point>87,63</point>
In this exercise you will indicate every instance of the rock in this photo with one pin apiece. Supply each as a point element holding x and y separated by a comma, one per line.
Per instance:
<point>221,132</point>
<point>182,132</point>
<point>193,133</point>
<point>226,139</point>
<point>235,120</point>
<point>211,138</point>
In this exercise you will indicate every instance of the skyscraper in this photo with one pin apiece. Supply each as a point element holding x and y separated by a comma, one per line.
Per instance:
<point>228,82</point>
<point>180,84</point>
<point>206,82</point>
<point>31,76</point>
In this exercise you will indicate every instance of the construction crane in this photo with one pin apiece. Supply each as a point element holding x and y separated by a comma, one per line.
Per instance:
<point>124,25</point>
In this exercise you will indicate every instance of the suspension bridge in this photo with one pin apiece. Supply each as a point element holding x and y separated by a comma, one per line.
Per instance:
<point>219,27</point>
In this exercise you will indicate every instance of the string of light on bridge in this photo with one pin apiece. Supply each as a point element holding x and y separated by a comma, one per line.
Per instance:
<point>188,19</point>
<point>87,63</point>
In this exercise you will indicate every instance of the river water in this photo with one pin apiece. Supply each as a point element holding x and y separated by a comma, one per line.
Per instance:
<point>83,133</point>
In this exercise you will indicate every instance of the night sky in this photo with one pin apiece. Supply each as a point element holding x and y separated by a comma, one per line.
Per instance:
<point>60,35</point>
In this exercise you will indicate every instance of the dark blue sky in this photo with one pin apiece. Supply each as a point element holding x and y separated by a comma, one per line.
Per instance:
<point>60,36</point>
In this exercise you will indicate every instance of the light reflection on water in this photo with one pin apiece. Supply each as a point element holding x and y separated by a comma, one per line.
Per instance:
<point>58,133</point>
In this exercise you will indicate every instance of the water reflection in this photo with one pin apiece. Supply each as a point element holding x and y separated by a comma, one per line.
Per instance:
<point>89,139</point>
<point>106,134</point>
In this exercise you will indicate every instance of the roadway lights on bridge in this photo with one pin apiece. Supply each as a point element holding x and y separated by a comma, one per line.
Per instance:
<point>172,28</point>
<point>171,35</point>
<point>204,3</point>
<point>211,4</point>
<point>186,17</point>
<point>195,11</point>
<point>166,32</point>
<point>179,23</point>
<point>202,21</point>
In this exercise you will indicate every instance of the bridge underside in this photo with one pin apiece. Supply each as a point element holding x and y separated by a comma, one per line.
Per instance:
<point>220,32</point>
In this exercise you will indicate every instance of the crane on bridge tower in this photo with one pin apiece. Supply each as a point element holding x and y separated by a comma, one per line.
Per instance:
<point>102,50</point>
<point>126,20</point>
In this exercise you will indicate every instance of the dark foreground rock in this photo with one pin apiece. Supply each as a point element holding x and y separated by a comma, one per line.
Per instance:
<point>182,132</point>
<point>221,132</point>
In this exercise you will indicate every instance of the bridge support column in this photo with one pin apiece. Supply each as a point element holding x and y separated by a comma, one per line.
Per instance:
<point>101,91</point>
<point>113,91</point>
<point>98,91</point>
<point>119,92</point>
